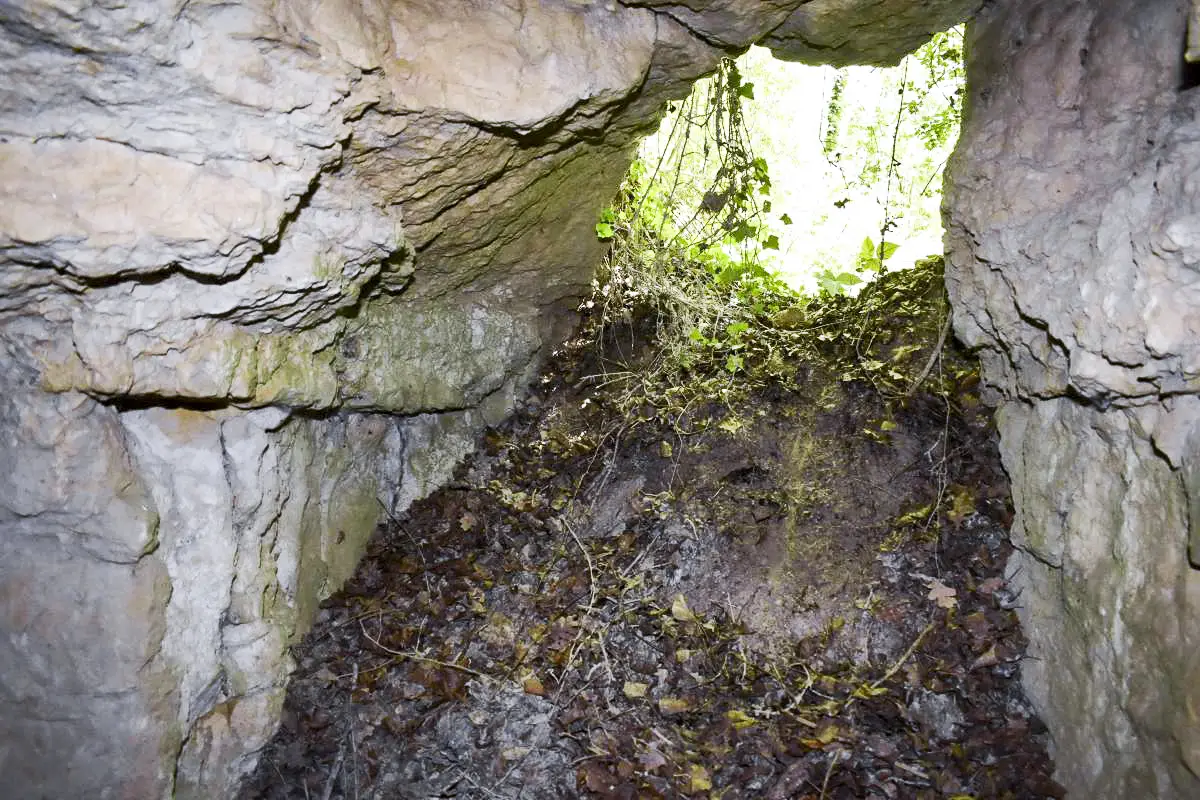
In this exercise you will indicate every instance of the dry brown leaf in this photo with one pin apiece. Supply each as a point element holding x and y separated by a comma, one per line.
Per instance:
<point>943,595</point>
<point>598,779</point>
<point>988,659</point>
<point>991,586</point>
<point>652,760</point>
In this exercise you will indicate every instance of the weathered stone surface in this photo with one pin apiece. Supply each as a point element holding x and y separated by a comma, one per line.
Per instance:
<point>1072,209</point>
<point>734,24</point>
<point>837,32</point>
<point>220,208</point>
<point>842,32</point>
<point>265,269</point>
<point>83,604</point>
<point>1110,603</point>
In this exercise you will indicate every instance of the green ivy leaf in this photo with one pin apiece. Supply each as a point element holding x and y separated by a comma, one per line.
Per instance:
<point>746,90</point>
<point>772,243</point>
<point>743,232</point>
<point>605,230</point>
<point>785,219</point>
<point>867,251</point>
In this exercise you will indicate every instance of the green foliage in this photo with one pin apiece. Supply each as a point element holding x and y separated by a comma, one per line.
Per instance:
<point>688,233</point>
<point>936,101</point>
<point>833,115</point>
<point>886,135</point>
<point>691,235</point>
<point>606,227</point>
<point>872,257</point>
<point>836,283</point>
<point>890,333</point>
<point>871,260</point>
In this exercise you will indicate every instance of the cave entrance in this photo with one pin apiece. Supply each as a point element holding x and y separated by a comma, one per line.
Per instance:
<point>824,177</point>
<point>747,536</point>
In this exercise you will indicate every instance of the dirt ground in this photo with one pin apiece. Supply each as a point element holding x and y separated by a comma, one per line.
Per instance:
<point>800,595</point>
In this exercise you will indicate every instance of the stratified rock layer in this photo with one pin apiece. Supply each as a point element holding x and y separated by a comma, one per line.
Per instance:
<point>1074,250</point>
<point>267,269</point>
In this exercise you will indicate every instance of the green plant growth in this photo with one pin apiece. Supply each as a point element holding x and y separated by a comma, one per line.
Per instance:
<point>697,240</point>
<point>689,229</point>
<point>855,152</point>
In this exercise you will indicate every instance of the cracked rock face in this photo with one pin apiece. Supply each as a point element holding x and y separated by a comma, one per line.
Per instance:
<point>837,32</point>
<point>267,270</point>
<point>1072,240</point>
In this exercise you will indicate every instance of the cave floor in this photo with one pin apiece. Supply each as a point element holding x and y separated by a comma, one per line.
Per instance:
<point>798,595</point>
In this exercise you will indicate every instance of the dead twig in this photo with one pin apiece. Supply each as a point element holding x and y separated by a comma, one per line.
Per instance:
<point>337,766</point>
<point>912,648</point>
<point>413,656</point>
<point>834,759</point>
<point>933,357</point>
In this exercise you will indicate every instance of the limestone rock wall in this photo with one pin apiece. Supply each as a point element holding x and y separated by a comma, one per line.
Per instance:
<point>265,269</point>
<point>1074,264</point>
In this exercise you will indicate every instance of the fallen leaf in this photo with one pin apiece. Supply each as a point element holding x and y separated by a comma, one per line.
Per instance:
<point>634,690</point>
<point>534,686</point>
<point>991,586</point>
<point>988,659</point>
<point>977,625</point>
<point>652,760</point>
<point>680,610</point>
<point>942,594</point>
<point>700,782</point>
<point>740,719</point>
<point>597,779</point>
<point>828,733</point>
<point>673,705</point>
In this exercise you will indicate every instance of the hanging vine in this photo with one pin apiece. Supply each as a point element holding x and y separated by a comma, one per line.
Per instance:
<point>692,229</point>
<point>926,109</point>
<point>688,231</point>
